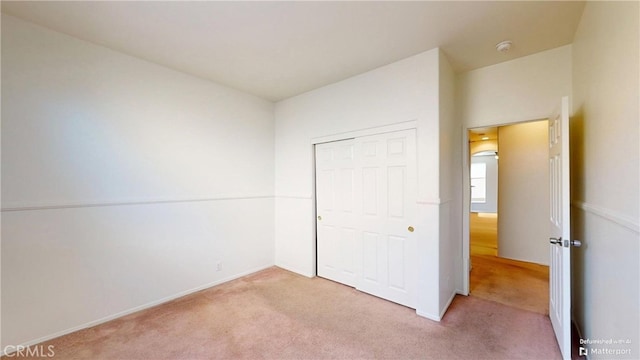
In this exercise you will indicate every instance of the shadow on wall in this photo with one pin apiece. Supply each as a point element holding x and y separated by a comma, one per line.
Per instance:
<point>576,150</point>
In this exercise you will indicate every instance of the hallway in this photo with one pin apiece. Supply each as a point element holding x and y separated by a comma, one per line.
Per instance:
<point>514,283</point>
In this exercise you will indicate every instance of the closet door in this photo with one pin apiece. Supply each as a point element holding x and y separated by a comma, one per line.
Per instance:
<point>387,192</point>
<point>366,191</point>
<point>335,209</point>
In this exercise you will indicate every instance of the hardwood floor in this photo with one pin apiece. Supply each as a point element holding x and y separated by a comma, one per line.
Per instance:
<point>514,283</point>
<point>483,237</point>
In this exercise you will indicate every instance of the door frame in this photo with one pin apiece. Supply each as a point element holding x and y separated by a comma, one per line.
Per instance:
<point>466,196</point>
<point>405,125</point>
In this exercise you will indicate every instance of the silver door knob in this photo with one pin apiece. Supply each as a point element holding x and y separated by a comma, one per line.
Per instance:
<point>319,217</point>
<point>576,243</point>
<point>556,241</point>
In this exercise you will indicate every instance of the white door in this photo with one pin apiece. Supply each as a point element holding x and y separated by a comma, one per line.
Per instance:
<point>366,208</point>
<point>560,235</point>
<point>387,168</point>
<point>335,208</point>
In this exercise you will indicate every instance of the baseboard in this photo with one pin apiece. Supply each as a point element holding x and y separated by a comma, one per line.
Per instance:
<point>461,292</point>
<point>575,325</point>
<point>132,310</point>
<point>446,307</point>
<point>295,270</point>
<point>438,317</point>
<point>429,316</point>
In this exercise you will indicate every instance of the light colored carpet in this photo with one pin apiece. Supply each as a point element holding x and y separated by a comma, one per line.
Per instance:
<point>275,314</point>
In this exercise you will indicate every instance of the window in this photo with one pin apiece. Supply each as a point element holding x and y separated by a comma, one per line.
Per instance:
<point>479,183</point>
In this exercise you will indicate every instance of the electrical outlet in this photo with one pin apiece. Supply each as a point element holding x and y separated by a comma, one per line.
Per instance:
<point>219,266</point>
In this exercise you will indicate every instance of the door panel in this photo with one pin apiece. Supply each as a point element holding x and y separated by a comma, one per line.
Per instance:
<point>370,187</point>
<point>394,196</point>
<point>370,257</point>
<point>346,189</point>
<point>335,202</point>
<point>346,251</point>
<point>396,184</point>
<point>367,190</point>
<point>396,251</point>
<point>559,229</point>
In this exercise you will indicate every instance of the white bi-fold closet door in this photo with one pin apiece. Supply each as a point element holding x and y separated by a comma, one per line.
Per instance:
<point>366,191</point>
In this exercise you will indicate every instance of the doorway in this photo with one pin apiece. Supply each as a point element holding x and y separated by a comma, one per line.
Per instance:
<point>508,215</point>
<point>483,179</point>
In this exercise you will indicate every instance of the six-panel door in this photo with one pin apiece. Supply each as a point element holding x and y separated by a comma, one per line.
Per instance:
<point>560,228</point>
<point>335,208</point>
<point>366,206</point>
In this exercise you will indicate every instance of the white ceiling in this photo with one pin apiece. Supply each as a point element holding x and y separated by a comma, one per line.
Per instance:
<point>276,50</point>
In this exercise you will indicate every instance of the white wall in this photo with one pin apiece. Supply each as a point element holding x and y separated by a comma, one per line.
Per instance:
<point>450,183</point>
<point>524,89</point>
<point>123,183</point>
<point>491,166</point>
<point>605,173</point>
<point>403,91</point>
<point>523,194</point>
